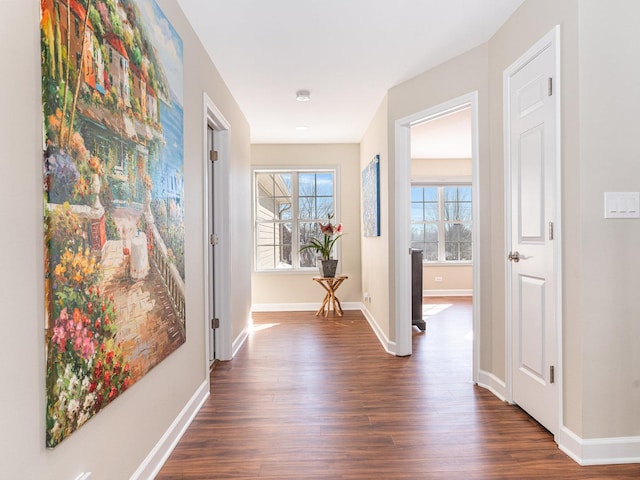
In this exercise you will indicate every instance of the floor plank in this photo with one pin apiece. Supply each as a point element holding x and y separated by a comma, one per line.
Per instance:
<point>314,398</point>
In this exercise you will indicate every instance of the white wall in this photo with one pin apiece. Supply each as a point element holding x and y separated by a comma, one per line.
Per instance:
<point>609,262</point>
<point>376,269</point>
<point>113,443</point>
<point>298,288</point>
<point>460,76</point>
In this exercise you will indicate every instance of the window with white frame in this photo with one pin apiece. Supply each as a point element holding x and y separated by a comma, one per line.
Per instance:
<point>441,219</point>
<point>288,204</point>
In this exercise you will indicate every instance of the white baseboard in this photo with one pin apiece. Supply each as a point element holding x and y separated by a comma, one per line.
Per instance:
<point>599,451</point>
<point>154,461</point>
<point>298,307</point>
<point>236,345</point>
<point>493,384</point>
<point>448,293</point>
<point>388,345</point>
<point>591,451</point>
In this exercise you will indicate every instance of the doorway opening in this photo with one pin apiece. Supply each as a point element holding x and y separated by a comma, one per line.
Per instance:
<point>442,229</point>
<point>466,105</point>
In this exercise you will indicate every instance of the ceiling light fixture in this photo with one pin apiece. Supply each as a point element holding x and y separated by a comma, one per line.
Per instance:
<point>303,95</point>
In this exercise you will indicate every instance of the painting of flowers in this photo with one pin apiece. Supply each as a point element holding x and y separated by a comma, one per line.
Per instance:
<point>113,201</point>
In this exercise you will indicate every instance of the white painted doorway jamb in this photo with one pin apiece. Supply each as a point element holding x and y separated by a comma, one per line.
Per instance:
<point>213,116</point>
<point>403,224</point>
<point>553,38</point>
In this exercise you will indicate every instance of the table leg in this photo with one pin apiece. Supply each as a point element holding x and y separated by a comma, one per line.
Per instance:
<point>325,301</point>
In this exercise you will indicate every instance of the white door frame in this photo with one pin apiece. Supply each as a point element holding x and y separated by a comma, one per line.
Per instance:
<point>213,116</point>
<point>550,40</point>
<point>403,223</point>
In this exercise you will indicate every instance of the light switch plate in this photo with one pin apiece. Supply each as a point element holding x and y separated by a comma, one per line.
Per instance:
<point>621,204</point>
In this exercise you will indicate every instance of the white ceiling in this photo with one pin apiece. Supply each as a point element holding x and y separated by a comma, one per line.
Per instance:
<point>347,53</point>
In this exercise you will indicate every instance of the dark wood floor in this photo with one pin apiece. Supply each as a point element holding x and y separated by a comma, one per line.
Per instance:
<point>315,398</point>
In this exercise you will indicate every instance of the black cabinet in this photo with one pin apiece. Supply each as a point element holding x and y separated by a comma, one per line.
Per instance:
<point>416,289</point>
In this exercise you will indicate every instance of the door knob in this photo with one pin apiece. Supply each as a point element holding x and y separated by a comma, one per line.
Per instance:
<point>514,256</point>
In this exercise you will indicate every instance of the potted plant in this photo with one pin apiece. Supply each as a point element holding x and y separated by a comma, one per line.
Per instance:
<point>324,246</point>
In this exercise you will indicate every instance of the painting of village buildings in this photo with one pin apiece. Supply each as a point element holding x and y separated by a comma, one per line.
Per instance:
<point>113,201</point>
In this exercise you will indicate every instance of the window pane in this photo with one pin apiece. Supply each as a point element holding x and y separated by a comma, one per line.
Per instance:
<point>430,253</point>
<point>424,204</point>
<point>417,212</point>
<point>417,234</point>
<point>307,184</point>
<point>265,258</point>
<point>324,207</point>
<point>431,211</point>
<point>324,184</point>
<point>431,233</point>
<point>458,242</point>
<point>452,232</point>
<point>266,234</point>
<point>308,231</point>
<point>285,211</point>
<point>273,245</point>
<point>274,190</point>
<point>430,194</point>
<point>457,203</point>
<point>307,208</point>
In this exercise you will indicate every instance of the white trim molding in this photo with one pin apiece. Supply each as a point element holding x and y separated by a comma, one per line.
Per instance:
<point>402,223</point>
<point>388,345</point>
<point>240,339</point>
<point>492,383</point>
<point>599,451</point>
<point>154,461</point>
<point>220,184</point>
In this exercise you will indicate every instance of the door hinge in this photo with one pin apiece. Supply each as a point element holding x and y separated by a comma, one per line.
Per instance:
<point>550,86</point>
<point>550,230</point>
<point>213,239</point>
<point>215,323</point>
<point>552,374</point>
<point>213,155</point>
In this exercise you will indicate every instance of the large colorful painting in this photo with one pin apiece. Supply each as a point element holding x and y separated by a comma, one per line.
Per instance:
<point>114,201</point>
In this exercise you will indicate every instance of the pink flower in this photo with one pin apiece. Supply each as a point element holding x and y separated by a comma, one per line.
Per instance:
<point>88,347</point>
<point>338,228</point>
<point>59,337</point>
<point>326,229</point>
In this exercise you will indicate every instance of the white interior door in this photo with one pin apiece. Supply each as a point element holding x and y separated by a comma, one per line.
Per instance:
<point>533,196</point>
<point>211,251</point>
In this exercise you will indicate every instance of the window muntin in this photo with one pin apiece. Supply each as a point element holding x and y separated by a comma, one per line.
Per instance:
<point>441,220</point>
<point>288,206</point>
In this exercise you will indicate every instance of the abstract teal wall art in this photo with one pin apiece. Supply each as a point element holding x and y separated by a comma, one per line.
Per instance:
<point>371,198</point>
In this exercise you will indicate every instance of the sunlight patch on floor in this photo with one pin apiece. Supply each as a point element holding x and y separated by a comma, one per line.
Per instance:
<point>431,309</point>
<point>262,326</point>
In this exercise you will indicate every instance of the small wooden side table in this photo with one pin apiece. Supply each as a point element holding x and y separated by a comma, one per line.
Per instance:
<point>330,284</point>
